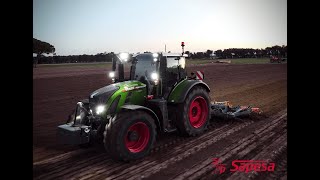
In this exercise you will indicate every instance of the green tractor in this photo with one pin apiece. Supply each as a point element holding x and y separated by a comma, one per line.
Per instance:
<point>151,93</point>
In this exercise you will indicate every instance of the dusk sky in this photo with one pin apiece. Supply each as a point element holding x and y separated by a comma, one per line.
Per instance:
<point>77,27</point>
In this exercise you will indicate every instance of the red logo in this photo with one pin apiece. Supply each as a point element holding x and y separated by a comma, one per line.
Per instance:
<point>243,166</point>
<point>220,168</point>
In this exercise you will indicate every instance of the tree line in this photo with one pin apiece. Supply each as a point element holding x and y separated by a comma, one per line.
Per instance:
<point>100,57</point>
<point>40,48</point>
<point>280,51</point>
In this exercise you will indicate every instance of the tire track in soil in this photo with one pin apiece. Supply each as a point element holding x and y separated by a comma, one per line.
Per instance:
<point>169,141</point>
<point>258,136</point>
<point>145,172</point>
<point>164,142</point>
<point>204,167</point>
<point>279,156</point>
<point>61,157</point>
<point>176,154</point>
<point>266,149</point>
<point>55,168</point>
<point>137,164</point>
<point>59,169</point>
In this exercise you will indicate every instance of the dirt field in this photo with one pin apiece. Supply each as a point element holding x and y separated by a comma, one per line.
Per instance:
<point>259,137</point>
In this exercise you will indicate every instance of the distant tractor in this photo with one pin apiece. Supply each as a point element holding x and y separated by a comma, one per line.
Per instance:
<point>153,96</point>
<point>277,59</point>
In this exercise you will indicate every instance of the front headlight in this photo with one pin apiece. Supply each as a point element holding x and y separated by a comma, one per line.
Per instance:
<point>111,74</point>
<point>100,109</point>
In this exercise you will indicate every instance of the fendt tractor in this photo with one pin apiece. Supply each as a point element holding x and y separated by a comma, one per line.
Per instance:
<point>152,96</point>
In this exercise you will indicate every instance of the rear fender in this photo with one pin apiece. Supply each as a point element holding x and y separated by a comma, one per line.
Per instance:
<point>180,92</point>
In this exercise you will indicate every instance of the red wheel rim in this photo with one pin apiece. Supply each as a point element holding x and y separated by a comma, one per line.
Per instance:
<point>137,137</point>
<point>198,112</point>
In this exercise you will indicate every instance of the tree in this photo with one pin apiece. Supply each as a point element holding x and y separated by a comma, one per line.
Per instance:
<point>208,53</point>
<point>218,53</point>
<point>40,47</point>
<point>188,53</point>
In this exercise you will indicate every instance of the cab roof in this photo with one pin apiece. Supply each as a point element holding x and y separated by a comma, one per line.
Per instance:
<point>164,54</point>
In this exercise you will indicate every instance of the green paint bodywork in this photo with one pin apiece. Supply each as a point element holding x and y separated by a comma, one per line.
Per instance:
<point>181,90</point>
<point>135,91</point>
<point>177,91</point>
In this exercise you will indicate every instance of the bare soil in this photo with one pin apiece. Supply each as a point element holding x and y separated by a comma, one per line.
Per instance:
<point>258,137</point>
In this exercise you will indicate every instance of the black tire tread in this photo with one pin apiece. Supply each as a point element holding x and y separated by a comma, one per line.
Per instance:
<point>183,123</point>
<point>111,140</point>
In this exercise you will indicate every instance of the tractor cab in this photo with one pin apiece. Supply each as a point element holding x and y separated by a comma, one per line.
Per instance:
<point>160,72</point>
<point>173,71</point>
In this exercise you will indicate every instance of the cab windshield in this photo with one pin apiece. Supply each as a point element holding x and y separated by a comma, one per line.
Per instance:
<point>144,66</point>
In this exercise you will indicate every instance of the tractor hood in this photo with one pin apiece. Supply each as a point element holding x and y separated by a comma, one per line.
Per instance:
<point>102,95</point>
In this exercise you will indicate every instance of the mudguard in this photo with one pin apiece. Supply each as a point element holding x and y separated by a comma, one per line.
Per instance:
<point>181,90</point>
<point>149,111</point>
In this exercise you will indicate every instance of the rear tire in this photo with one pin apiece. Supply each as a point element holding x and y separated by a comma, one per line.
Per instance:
<point>130,135</point>
<point>194,113</point>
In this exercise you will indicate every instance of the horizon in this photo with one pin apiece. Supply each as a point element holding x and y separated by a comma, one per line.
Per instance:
<point>213,52</point>
<point>82,27</point>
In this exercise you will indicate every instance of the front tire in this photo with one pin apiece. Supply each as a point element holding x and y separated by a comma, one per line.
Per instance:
<point>194,112</point>
<point>130,135</point>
